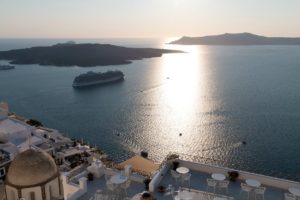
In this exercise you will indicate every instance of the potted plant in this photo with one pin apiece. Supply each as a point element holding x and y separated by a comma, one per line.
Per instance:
<point>175,165</point>
<point>161,189</point>
<point>233,175</point>
<point>146,182</point>
<point>90,176</point>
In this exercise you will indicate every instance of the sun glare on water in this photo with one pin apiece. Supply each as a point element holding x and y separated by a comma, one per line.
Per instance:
<point>180,96</point>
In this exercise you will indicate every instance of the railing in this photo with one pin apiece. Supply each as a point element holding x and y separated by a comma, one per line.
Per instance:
<point>77,170</point>
<point>243,175</point>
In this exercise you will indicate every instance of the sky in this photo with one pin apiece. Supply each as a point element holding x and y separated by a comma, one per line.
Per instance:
<point>146,18</point>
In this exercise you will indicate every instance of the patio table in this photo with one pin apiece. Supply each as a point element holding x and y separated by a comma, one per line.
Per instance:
<point>218,177</point>
<point>118,179</point>
<point>182,170</point>
<point>253,182</point>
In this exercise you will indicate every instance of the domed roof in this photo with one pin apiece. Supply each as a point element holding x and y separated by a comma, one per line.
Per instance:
<point>4,138</point>
<point>30,168</point>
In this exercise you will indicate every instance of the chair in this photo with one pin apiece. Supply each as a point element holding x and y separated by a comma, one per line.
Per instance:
<point>126,185</point>
<point>110,187</point>
<point>289,196</point>
<point>260,192</point>
<point>107,177</point>
<point>175,175</point>
<point>186,178</point>
<point>223,186</point>
<point>245,189</point>
<point>99,195</point>
<point>211,184</point>
<point>127,170</point>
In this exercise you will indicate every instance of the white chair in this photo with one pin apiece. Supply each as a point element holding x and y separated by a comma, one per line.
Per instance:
<point>223,186</point>
<point>186,178</point>
<point>110,187</point>
<point>245,189</point>
<point>260,192</point>
<point>126,185</point>
<point>289,196</point>
<point>100,196</point>
<point>175,175</point>
<point>107,177</point>
<point>127,170</point>
<point>211,184</point>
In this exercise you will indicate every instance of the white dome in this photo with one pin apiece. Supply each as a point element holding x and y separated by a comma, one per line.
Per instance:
<point>4,137</point>
<point>31,168</point>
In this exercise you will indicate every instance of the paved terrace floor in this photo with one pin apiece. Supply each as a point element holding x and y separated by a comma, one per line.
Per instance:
<point>1,191</point>
<point>198,182</point>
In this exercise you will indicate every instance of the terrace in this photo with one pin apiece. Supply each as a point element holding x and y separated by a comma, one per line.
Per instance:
<point>275,188</point>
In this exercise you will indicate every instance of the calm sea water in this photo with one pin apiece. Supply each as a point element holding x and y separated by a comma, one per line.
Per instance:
<point>215,96</point>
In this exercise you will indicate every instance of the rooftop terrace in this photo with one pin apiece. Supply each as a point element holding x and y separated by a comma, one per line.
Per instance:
<point>275,188</point>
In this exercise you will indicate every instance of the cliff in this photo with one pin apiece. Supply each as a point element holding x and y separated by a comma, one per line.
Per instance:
<point>237,39</point>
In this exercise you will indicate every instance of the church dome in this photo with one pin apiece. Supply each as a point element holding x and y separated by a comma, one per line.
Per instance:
<point>4,138</point>
<point>31,168</point>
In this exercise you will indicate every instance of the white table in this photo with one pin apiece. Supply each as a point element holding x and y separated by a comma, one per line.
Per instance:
<point>186,195</point>
<point>253,182</point>
<point>218,177</point>
<point>118,179</point>
<point>295,191</point>
<point>182,170</point>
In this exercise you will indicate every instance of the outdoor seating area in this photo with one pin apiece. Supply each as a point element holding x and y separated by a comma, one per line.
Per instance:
<point>218,186</point>
<point>183,184</point>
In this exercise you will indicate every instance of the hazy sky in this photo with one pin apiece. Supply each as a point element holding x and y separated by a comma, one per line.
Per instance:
<point>147,18</point>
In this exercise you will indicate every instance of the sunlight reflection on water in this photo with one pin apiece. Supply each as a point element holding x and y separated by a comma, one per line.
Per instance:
<point>178,106</point>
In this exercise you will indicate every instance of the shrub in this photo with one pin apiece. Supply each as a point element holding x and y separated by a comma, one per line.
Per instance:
<point>233,175</point>
<point>90,176</point>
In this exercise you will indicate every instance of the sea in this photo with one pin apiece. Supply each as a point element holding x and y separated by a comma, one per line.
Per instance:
<point>231,106</point>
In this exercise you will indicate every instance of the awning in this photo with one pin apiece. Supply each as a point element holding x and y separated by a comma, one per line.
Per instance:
<point>140,164</point>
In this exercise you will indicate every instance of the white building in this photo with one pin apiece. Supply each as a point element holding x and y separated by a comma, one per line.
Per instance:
<point>15,132</point>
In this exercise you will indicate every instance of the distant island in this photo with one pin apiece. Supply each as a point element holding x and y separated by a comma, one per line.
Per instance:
<point>83,55</point>
<point>237,39</point>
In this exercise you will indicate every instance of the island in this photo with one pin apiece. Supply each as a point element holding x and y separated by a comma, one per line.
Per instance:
<point>83,55</point>
<point>237,39</point>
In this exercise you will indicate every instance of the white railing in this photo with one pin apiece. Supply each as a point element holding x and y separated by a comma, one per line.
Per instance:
<point>265,180</point>
<point>158,177</point>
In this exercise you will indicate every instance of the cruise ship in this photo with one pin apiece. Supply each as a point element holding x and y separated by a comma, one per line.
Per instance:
<point>96,78</point>
<point>6,67</point>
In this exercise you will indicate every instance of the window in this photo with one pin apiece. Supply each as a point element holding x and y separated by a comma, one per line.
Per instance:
<point>32,196</point>
<point>2,171</point>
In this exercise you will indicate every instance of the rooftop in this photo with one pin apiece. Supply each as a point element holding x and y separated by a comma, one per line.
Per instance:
<point>198,184</point>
